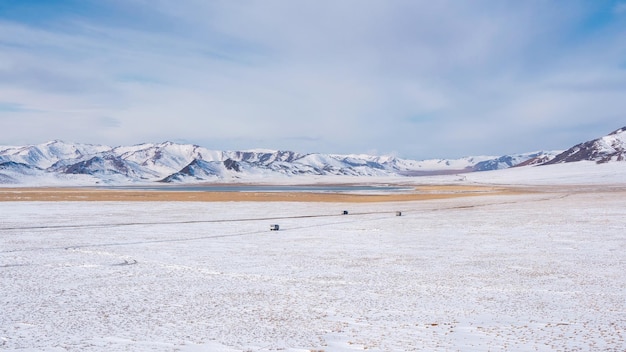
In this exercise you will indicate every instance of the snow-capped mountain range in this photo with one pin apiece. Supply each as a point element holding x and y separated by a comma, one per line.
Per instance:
<point>171,162</point>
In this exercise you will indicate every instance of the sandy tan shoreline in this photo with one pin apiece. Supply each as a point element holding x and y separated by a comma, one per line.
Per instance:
<point>89,194</point>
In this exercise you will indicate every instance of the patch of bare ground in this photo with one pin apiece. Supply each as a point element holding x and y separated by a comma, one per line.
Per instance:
<point>87,194</point>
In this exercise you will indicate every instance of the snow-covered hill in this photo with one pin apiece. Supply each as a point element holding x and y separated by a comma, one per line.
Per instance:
<point>58,162</point>
<point>611,147</point>
<point>45,155</point>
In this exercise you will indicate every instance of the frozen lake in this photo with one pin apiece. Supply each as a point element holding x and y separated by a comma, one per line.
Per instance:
<point>534,272</point>
<point>349,188</point>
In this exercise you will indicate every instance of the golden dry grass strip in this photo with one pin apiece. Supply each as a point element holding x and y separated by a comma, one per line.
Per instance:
<point>86,194</point>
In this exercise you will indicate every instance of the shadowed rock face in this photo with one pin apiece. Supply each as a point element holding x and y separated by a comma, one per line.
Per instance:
<point>231,164</point>
<point>106,163</point>
<point>611,147</point>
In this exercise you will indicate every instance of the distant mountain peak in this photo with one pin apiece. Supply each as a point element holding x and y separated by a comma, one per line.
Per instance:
<point>611,147</point>
<point>173,162</point>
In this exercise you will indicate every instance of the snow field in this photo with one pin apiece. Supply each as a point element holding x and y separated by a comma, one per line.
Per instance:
<point>539,272</point>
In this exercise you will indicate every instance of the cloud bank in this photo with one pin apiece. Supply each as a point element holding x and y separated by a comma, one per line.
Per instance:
<point>418,79</point>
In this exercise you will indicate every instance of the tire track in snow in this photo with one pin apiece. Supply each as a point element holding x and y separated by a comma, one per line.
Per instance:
<point>86,226</point>
<point>55,227</point>
<point>473,206</point>
<point>197,238</point>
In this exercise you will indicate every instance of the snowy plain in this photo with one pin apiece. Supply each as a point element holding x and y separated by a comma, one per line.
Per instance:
<point>540,271</point>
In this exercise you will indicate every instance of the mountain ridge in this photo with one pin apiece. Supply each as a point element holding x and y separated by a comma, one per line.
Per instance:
<point>611,147</point>
<point>170,162</point>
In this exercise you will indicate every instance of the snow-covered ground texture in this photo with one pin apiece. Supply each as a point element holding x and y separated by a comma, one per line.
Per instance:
<point>576,173</point>
<point>533,272</point>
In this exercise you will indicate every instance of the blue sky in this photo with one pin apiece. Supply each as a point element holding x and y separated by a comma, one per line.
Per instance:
<point>416,79</point>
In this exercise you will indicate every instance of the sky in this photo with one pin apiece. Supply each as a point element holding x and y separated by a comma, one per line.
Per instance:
<point>410,78</point>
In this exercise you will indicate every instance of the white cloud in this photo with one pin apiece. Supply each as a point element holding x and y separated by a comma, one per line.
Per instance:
<point>425,79</point>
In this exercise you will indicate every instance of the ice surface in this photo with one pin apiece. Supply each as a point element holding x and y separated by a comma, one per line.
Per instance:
<point>535,272</point>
